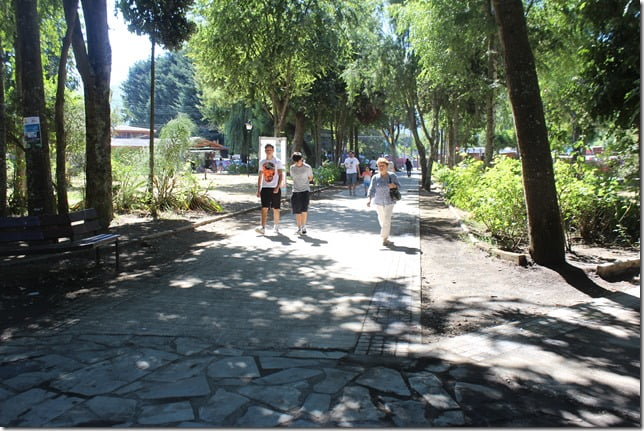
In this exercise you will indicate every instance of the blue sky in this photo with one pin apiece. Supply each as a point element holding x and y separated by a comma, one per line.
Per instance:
<point>127,48</point>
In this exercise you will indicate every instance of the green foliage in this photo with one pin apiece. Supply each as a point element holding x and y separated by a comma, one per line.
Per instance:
<point>499,203</point>
<point>165,21</point>
<point>326,174</point>
<point>171,160</point>
<point>175,90</point>
<point>129,177</point>
<point>612,59</point>
<point>594,205</point>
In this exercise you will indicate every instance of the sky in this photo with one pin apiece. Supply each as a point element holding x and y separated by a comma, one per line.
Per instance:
<point>127,48</point>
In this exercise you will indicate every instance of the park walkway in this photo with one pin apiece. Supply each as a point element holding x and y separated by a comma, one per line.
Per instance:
<point>313,331</point>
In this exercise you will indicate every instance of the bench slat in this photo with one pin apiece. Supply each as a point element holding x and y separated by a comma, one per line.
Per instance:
<point>53,233</point>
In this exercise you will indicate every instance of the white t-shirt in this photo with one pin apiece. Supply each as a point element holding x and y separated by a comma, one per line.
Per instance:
<point>270,168</point>
<point>351,163</point>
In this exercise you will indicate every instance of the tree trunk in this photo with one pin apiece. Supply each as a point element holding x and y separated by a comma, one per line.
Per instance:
<point>317,136</point>
<point>547,242</point>
<point>422,156</point>
<point>426,163</point>
<point>94,64</point>
<point>3,140</point>
<point>451,136</point>
<point>61,138</point>
<point>300,126</point>
<point>490,109</point>
<point>153,207</point>
<point>40,196</point>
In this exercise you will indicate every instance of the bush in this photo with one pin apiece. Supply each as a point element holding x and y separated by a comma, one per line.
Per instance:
<point>594,206</point>
<point>129,173</point>
<point>499,203</point>
<point>326,174</point>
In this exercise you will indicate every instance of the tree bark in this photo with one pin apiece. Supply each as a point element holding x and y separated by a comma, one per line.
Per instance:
<point>300,125</point>
<point>490,109</point>
<point>61,138</point>
<point>40,196</point>
<point>547,242</point>
<point>3,139</point>
<point>153,210</point>
<point>94,63</point>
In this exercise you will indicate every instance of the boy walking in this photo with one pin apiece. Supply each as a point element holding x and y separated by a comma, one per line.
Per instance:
<point>302,174</point>
<point>269,181</point>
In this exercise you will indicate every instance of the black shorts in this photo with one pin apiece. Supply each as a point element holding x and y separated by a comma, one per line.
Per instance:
<point>270,199</point>
<point>300,202</point>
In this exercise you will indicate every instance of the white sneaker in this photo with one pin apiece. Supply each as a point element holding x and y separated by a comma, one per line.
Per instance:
<point>303,230</point>
<point>276,228</point>
<point>299,231</point>
<point>260,230</point>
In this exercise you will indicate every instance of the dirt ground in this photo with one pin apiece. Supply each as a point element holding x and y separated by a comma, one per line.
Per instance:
<point>463,289</point>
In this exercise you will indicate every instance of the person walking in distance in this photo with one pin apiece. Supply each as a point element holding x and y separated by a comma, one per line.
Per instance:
<point>352,164</point>
<point>408,166</point>
<point>269,180</point>
<point>366,179</point>
<point>302,175</point>
<point>378,191</point>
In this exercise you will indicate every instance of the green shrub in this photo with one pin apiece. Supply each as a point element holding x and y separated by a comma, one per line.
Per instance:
<point>498,202</point>
<point>594,206</point>
<point>326,174</point>
<point>129,175</point>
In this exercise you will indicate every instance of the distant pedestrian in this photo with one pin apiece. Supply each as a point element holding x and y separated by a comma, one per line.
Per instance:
<point>366,179</point>
<point>302,175</point>
<point>269,181</point>
<point>352,165</point>
<point>408,166</point>
<point>373,165</point>
<point>379,192</point>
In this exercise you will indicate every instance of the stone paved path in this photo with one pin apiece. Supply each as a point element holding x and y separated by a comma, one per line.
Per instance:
<point>276,330</point>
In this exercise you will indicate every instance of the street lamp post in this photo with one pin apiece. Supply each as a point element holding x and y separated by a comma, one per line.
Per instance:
<point>249,128</point>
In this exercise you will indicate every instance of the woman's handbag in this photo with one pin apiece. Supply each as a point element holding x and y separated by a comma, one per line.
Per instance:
<point>394,193</point>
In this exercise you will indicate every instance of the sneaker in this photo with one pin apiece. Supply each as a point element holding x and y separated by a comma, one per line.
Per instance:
<point>260,230</point>
<point>299,231</point>
<point>303,230</point>
<point>386,242</point>
<point>276,228</point>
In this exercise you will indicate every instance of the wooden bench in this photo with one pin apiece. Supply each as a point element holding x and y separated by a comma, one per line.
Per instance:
<point>49,234</point>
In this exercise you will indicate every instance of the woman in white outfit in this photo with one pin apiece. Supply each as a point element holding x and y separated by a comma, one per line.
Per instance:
<point>379,193</point>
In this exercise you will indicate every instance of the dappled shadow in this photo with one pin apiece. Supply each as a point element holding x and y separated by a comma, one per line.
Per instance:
<point>575,366</point>
<point>442,224</point>
<point>578,279</point>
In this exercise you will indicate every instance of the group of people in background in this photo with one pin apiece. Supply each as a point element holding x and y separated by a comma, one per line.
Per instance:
<point>377,188</point>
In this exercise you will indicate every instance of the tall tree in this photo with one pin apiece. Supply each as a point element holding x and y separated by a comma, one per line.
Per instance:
<point>547,242</point>
<point>3,136</point>
<point>175,90</point>
<point>40,199</point>
<point>94,64</point>
<point>166,23</point>
<point>265,51</point>
<point>59,119</point>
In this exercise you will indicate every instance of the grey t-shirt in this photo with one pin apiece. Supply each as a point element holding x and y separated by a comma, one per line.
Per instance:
<point>300,176</point>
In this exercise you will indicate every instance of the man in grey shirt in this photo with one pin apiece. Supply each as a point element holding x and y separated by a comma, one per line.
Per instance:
<point>302,174</point>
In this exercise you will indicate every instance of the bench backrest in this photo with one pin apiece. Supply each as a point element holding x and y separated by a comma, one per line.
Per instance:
<point>49,228</point>
<point>14,229</point>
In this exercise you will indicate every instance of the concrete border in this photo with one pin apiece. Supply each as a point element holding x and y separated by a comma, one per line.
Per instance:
<point>516,258</point>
